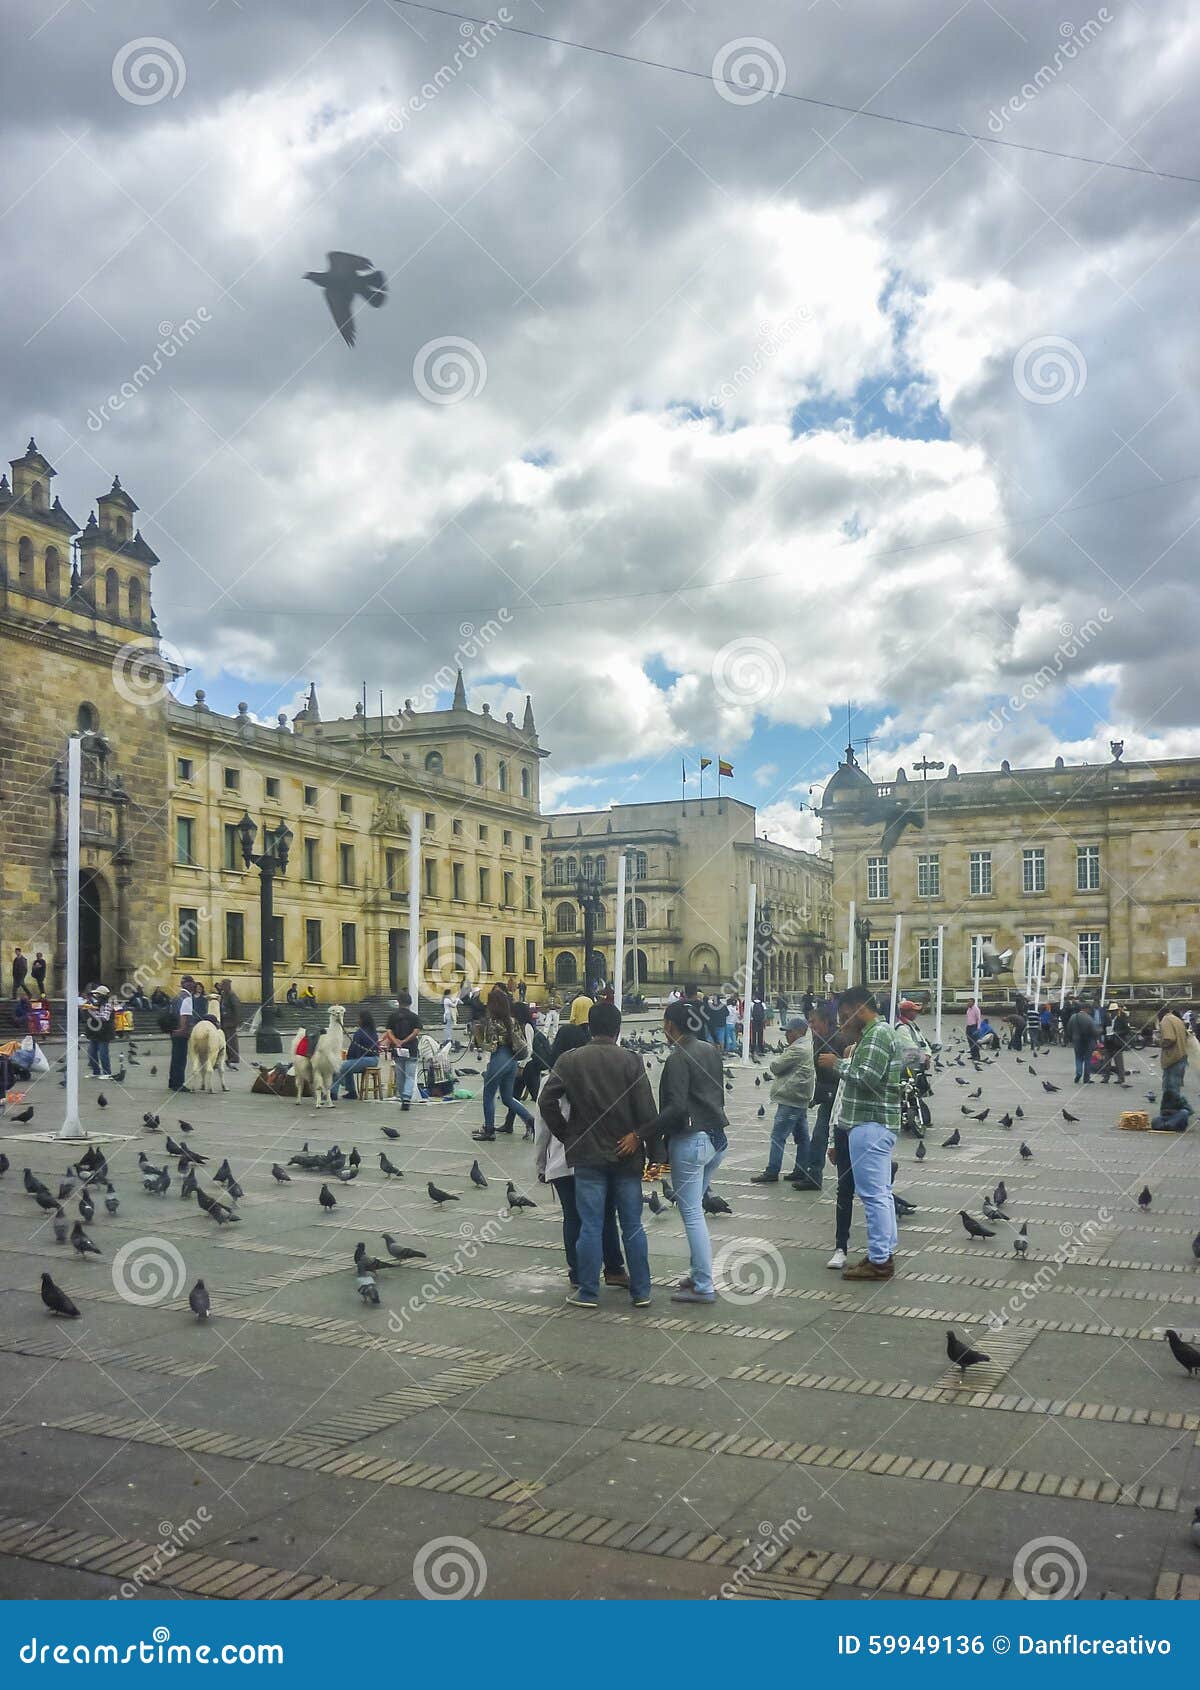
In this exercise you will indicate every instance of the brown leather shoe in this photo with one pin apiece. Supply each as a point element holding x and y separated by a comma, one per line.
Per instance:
<point>621,1279</point>
<point>867,1269</point>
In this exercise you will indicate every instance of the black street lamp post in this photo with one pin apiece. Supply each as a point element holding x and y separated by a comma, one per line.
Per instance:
<point>862,932</point>
<point>587,896</point>
<point>270,861</point>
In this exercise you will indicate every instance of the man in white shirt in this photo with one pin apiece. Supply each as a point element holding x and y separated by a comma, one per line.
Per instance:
<point>180,1034</point>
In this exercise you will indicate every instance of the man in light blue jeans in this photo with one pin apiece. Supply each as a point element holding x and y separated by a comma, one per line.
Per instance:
<point>870,1112</point>
<point>691,1116</point>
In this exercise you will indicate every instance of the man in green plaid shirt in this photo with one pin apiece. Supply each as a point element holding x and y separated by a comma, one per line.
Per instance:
<point>870,1113</point>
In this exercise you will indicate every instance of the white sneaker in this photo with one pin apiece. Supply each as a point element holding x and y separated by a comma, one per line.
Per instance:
<point>837,1260</point>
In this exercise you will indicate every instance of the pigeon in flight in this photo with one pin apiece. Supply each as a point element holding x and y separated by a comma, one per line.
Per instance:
<point>348,278</point>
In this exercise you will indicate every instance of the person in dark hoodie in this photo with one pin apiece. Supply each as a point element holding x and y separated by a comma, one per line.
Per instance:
<point>692,1119</point>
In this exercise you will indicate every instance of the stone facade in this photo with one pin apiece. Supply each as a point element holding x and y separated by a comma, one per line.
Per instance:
<point>1066,866</point>
<point>162,880</point>
<point>689,864</point>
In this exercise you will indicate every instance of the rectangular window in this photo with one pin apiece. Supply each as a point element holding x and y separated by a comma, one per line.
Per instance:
<point>1089,954</point>
<point>1033,869</point>
<point>277,950</point>
<point>929,876</point>
<point>185,841</point>
<point>1087,868</point>
<point>1033,957</point>
<point>430,821</point>
<point>430,878</point>
<point>235,936</point>
<point>459,874</point>
<point>312,859</point>
<point>531,958</point>
<point>460,953</point>
<point>345,804</point>
<point>485,886</point>
<point>345,865</point>
<point>233,847</point>
<point>485,952</point>
<point>310,797</point>
<point>506,837</point>
<point>879,966</point>
<point>877,877</point>
<point>272,786</point>
<point>978,941</point>
<point>393,870</point>
<point>483,832</point>
<point>456,827</point>
<point>529,842</point>
<point>183,768</point>
<point>510,956</point>
<point>233,780</point>
<point>433,951</point>
<point>528,891</point>
<point>981,874</point>
<point>927,957</point>
<point>349,945</point>
<point>189,933</point>
<point>509,894</point>
<point>312,941</point>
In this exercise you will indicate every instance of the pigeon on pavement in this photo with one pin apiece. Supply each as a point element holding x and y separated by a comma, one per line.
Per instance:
<point>199,1301</point>
<point>1021,1241</point>
<point>440,1197</point>
<point>1144,1198</point>
<point>954,1140</point>
<point>973,1227</point>
<point>387,1167</point>
<point>962,1355</point>
<point>1187,1355</point>
<point>56,1300</point>
<point>401,1252</point>
<point>326,1198</point>
<point>82,1244</point>
<point>477,1176</point>
<point>1026,1152</point>
<point>515,1199</point>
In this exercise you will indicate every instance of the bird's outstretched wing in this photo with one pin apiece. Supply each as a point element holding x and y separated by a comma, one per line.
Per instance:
<point>341,306</point>
<point>343,263</point>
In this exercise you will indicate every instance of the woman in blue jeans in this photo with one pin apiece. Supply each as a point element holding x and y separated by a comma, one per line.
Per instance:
<point>501,1035</point>
<point>362,1052</point>
<point>691,1103</point>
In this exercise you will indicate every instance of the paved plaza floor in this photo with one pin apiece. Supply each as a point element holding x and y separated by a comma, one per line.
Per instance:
<point>801,1438</point>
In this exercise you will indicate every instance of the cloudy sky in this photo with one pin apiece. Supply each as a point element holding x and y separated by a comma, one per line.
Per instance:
<point>695,411</point>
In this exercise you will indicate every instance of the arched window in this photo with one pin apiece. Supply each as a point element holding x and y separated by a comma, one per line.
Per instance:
<point>639,865</point>
<point>433,763</point>
<point>135,601</point>
<point>53,565</point>
<point>120,527</point>
<point>636,906</point>
<point>526,784</point>
<point>112,592</point>
<point>564,918</point>
<point>502,776</point>
<point>25,561</point>
<point>478,768</point>
<point>560,871</point>
<point>643,971</point>
<point>565,971</point>
<point>87,719</point>
<point>37,496</point>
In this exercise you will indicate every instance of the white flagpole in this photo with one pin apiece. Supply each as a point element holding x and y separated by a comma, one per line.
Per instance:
<point>1104,985</point>
<point>72,1127</point>
<point>850,945</point>
<point>748,987</point>
<point>415,823</point>
<point>937,1023</point>
<point>619,965</point>
<point>895,970</point>
<point>1062,990</point>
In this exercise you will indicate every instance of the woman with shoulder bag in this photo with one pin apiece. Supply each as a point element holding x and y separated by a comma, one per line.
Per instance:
<point>505,1040</point>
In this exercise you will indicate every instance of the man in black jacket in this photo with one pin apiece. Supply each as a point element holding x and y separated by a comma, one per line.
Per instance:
<point>611,1117</point>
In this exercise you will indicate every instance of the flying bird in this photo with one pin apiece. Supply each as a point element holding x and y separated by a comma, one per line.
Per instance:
<point>1187,1355</point>
<point>440,1197</point>
<point>477,1176</point>
<point>348,278</point>
<point>198,1300</point>
<point>972,1226</point>
<point>962,1355</point>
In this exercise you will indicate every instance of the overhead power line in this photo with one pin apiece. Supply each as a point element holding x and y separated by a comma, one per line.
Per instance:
<point>956,132</point>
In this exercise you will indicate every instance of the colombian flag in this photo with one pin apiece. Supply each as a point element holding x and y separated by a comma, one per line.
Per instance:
<point>724,769</point>
<point>705,763</point>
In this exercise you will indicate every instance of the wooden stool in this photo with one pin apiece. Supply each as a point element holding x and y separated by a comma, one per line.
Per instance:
<point>370,1085</point>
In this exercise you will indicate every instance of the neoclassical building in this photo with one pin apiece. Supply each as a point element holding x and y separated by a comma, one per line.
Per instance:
<point>1095,864</point>
<point>163,885</point>
<point>689,864</point>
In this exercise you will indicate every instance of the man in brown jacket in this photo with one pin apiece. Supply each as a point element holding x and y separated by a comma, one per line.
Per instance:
<point>611,1112</point>
<point>1172,1050</point>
